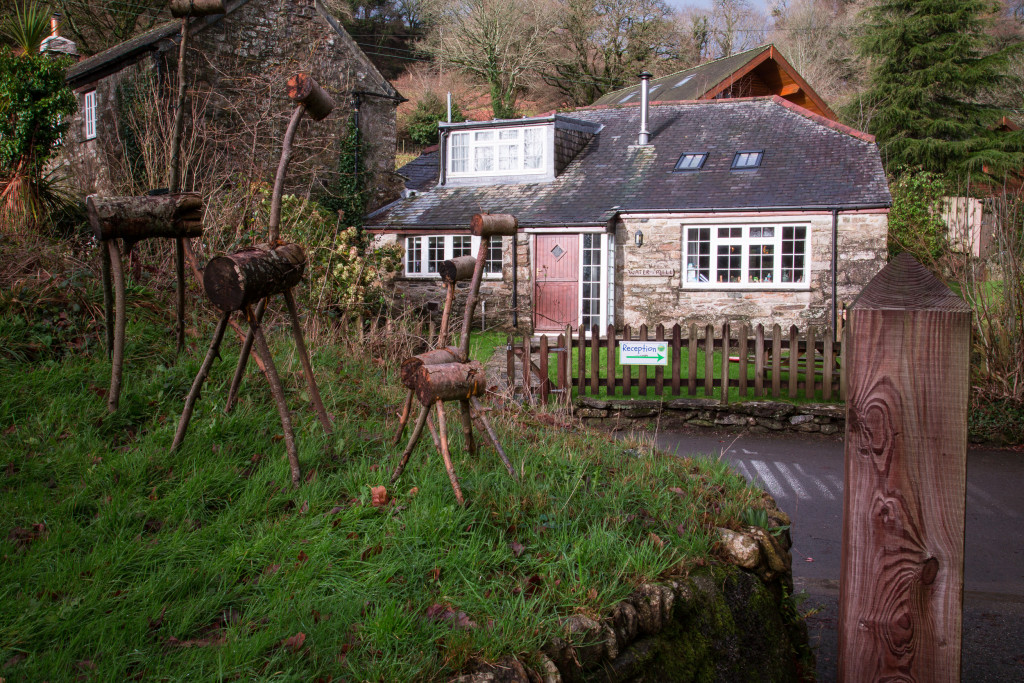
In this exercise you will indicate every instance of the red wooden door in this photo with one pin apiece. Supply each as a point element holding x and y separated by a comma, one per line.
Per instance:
<point>556,293</point>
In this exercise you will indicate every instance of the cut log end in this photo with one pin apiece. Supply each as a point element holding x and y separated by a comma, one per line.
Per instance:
<point>457,269</point>
<point>411,366</point>
<point>304,90</point>
<point>196,8</point>
<point>493,224</point>
<point>137,218</point>
<point>237,280</point>
<point>449,382</point>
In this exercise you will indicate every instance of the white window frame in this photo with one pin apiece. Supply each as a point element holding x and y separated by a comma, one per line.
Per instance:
<point>449,250</point>
<point>602,299</point>
<point>745,242</point>
<point>89,114</point>
<point>496,144</point>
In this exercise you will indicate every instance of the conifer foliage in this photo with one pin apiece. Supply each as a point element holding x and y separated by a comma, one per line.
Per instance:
<point>930,89</point>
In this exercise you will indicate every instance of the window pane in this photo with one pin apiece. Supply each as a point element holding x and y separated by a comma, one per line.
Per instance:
<point>483,159</point>
<point>484,135</point>
<point>508,158</point>
<point>533,156</point>
<point>413,255</point>
<point>730,264</point>
<point>493,264</point>
<point>462,246</point>
<point>508,134</point>
<point>761,263</point>
<point>435,253</point>
<point>794,247</point>
<point>591,290</point>
<point>460,153</point>
<point>698,254</point>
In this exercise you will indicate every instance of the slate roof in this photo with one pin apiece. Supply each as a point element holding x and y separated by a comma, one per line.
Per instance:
<point>134,49</point>
<point>422,172</point>
<point>689,84</point>
<point>809,162</point>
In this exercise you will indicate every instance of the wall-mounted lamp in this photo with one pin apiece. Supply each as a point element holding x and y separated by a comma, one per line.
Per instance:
<point>638,238</point>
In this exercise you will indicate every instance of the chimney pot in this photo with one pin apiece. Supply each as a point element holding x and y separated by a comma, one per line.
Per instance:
<point>645,81</point>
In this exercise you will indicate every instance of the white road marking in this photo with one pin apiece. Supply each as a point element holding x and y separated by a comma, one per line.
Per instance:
<point>743,470</point>
<point>769,480</point>
<point>818,483</point>
<point>836,482</point>
<point>793,482</point>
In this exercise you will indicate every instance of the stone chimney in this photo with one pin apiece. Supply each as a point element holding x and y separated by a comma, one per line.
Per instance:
<point>645,89</point>
<point>56,44</point>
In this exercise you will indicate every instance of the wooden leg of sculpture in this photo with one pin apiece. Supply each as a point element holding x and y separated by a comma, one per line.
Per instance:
<point>417,430</point>
<point>243,359</point>
<point>117,362</point>
<point>307,369</point>
<point>446,454</point>
<point>275,388</point>
<point>481,415</point>
<point>467,427</point>
<point>434,437</point>
<point>197,385</point>
<point>108,298</point>
<point>403,418</point>
<point>179,271</point>
<point>442,339</point>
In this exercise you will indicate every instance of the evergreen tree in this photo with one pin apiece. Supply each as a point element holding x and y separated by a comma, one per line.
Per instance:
<point>931,83</point>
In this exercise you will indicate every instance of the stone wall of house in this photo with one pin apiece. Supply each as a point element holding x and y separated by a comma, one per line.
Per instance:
<point>662,299</point>
<point>237,71</point>
<point>427,294</point>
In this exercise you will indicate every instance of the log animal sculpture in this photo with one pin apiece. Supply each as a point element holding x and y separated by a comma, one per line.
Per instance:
<point>132,219</point>
<point>175,216</point>
<point>447,374</point>
<point>250,277</point>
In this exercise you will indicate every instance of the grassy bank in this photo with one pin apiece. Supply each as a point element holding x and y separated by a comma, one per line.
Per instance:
<point>120,560</point>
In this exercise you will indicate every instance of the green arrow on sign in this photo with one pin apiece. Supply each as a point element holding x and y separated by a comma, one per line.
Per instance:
<point>659,358</point>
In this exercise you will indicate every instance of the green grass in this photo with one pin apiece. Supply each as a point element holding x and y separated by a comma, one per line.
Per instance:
<point>734,373</point>
<point>119,559</point>
<point>483,344</point>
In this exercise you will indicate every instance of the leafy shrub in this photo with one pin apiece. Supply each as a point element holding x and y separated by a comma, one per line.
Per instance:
<point>346,271</point>
<point>915,221</point>
<point>422,124</point>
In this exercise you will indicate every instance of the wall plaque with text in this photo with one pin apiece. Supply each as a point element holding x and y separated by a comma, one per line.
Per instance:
<point>650,272</point>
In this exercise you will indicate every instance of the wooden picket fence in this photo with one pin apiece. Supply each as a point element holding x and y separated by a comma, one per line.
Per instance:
<point>767,363</point>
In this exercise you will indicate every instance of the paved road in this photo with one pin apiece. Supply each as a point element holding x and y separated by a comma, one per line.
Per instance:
<point>805,476</point>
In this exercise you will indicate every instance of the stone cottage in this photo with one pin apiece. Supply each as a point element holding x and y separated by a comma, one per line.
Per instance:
<point>745,209</point>
<point>238,63</point>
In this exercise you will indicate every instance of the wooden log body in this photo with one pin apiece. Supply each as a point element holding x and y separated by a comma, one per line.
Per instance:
<point>304,90</point>
<point>136,218</point>
<point>196,8</point>
<point>449,382</point>
<point>457,269</point>
<point>493,224</point>
<point>411,366</point>
<point>237,280</point>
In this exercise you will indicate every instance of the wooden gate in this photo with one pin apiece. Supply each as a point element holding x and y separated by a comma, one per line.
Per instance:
<point>556,293</point>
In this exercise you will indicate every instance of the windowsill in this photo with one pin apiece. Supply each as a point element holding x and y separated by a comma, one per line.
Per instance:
<point>437,278</point>
<point>746,287</point>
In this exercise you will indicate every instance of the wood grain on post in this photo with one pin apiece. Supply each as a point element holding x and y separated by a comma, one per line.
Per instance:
<point>457,269</point>
<point>195,8</point>
<point>137,218</point>
<point>303,89</point>
<point>493,224</point>
<point>237,280</point>
<point>449,382</point>
<point>901,586</point>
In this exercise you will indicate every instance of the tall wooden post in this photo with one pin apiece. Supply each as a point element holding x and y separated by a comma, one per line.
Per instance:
<point>901,586</point>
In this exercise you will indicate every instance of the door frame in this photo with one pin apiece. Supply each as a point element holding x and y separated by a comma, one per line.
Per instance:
<point>607,244</point>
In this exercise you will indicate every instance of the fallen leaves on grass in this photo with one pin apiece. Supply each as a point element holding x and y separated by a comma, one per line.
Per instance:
<point>23,537</point>
<point>294,644</point>
<point>517,548</point>
<point>655,539</point>
<point>208,641</point>
<point>441,612</point>
<point>379,496</point>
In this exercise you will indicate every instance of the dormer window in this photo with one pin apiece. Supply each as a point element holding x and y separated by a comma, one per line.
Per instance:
<point>497,152</point>
<point>746,160</point>
<point>691,161</point>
